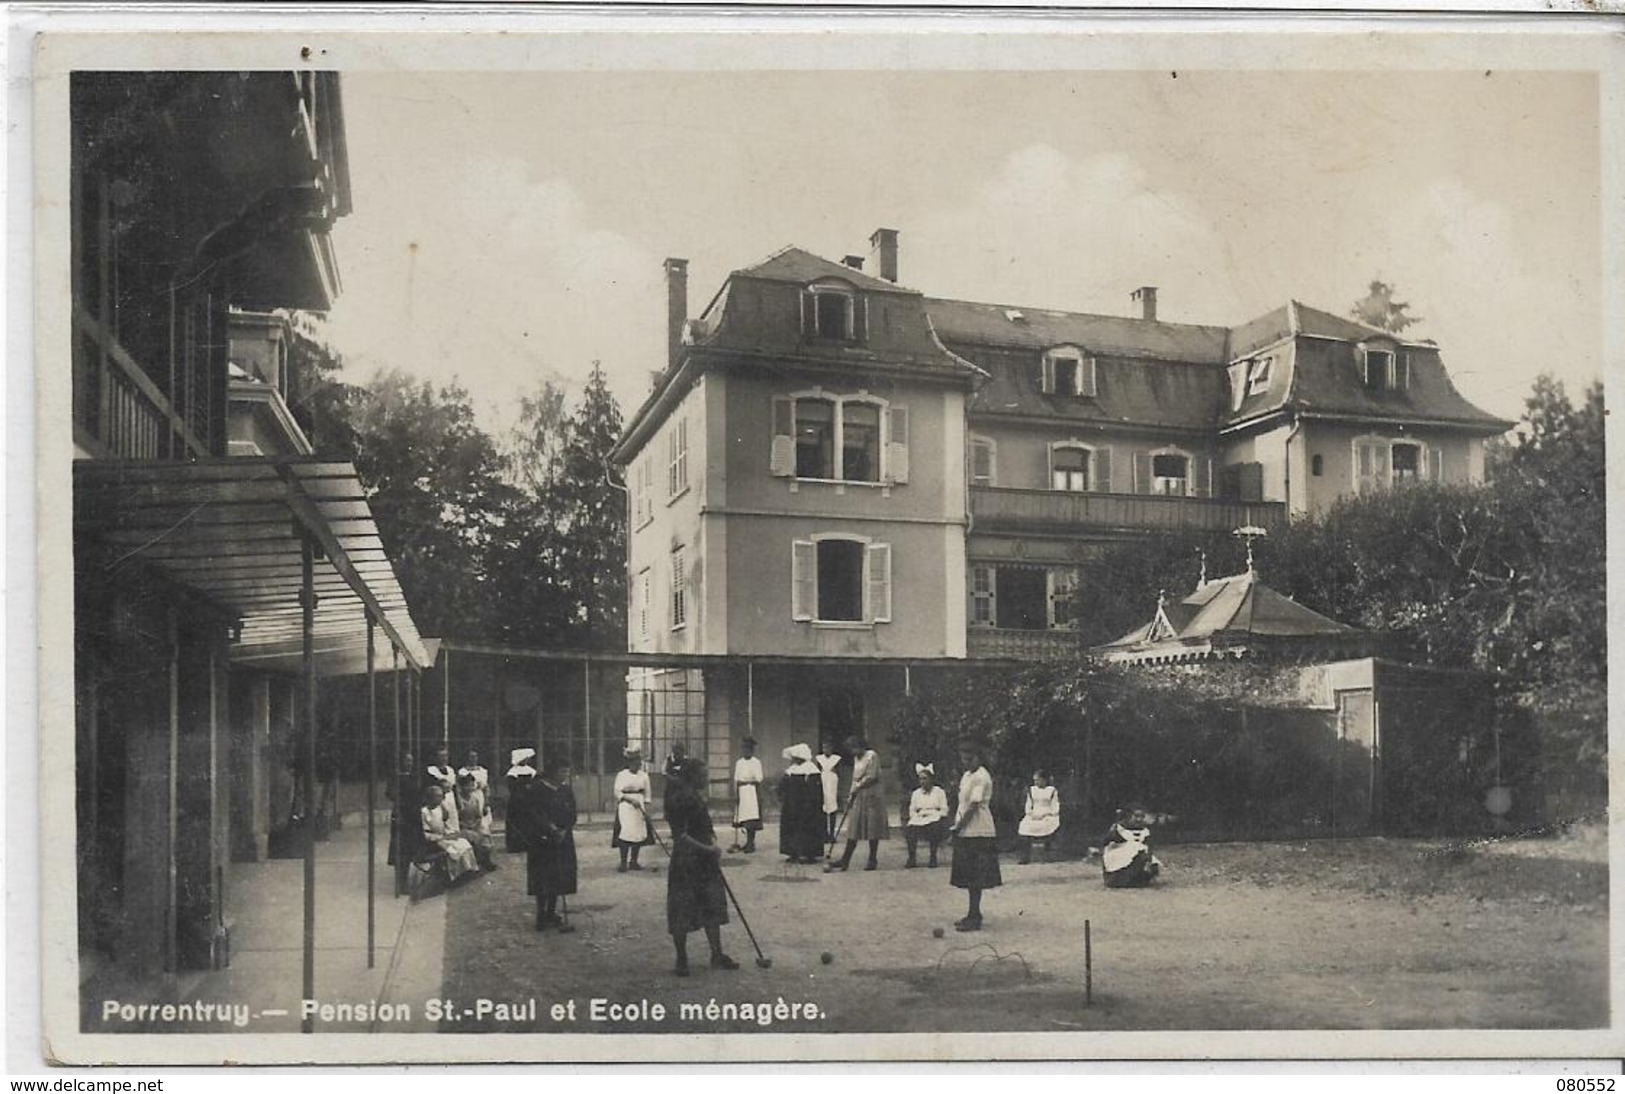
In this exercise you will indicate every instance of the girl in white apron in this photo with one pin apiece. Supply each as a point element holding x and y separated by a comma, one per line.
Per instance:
<point>632,796</point>
<point>748,777</point>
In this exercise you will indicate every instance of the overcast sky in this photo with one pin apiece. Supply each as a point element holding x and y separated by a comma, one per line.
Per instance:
<point>510,227</point>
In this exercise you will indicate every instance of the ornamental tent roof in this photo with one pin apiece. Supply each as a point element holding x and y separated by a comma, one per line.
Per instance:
<point>1232,617</point>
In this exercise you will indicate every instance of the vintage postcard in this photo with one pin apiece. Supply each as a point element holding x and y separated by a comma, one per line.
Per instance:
<point>604,536</point>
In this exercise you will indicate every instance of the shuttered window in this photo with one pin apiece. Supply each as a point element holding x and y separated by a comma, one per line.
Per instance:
<point>835,438</point>
<point>982,455</point>
<point>679,589</point>
<point>841,579</point>
<point>677,466</point>
<point>982,593</point>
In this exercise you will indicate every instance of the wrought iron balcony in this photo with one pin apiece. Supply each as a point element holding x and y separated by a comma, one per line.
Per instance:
<point>999,509</point>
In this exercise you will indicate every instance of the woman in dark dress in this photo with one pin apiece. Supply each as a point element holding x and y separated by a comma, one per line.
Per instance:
<point>521,777</point>
<point>550,854</point>
<point>801,807</point>
<point>695,896</point>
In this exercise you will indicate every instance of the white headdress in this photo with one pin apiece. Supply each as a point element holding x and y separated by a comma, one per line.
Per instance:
<point>799,752</point>
<point>925,769</point>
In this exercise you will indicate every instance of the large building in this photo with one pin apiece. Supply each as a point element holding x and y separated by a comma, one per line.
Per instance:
<point>838,482</point>
<point>219,570</point>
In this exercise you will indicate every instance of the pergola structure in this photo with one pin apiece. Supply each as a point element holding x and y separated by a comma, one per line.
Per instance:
<point>287,550</point>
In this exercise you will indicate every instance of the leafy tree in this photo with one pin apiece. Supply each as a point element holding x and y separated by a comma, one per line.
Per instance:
<point>436,489</point>
<point>1379,309</point>
<point>534,445</point>
<point>562,564</point>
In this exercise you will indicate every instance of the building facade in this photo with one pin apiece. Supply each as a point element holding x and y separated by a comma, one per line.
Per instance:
<point>218,568</point>
<point>837,481</point>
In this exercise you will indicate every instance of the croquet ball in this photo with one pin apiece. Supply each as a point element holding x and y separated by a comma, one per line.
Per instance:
<point>936,932</point>
<point>827,958</point>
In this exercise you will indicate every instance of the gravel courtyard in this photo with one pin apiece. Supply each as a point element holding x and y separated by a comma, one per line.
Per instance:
<point>1352,934</point>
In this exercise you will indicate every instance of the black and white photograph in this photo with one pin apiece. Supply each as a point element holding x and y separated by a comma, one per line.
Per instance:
<point>804,538</point>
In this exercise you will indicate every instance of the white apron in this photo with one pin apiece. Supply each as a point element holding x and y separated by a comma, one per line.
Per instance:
<point>747,777</point>
<point>634,826</point>
<point>831,782</point>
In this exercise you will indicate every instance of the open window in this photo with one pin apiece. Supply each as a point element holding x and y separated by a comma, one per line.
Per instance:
<point>839,438</point>
<point>1022,597</point>
<point>1383,367</point>
<point>1258,375</point>
<point>840,579</point>
<point>831,313</point>
<point>1172,472</point>
<point>1384,462</point>
<point>1070,467</point>
<point>1067,370</point>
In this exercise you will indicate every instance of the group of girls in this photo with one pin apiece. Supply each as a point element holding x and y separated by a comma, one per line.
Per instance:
<point>455,815</point>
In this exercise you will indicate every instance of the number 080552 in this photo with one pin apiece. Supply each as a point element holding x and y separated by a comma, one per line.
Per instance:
<point>1585,1084</point>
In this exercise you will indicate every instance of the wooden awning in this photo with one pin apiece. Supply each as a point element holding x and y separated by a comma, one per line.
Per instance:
<point>233,530</point>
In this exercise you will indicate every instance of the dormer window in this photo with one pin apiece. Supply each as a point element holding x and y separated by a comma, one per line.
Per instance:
<point>1258,375</point>
<point>1384,369</point>
<point>1067,371</point>
<point>830,313</point>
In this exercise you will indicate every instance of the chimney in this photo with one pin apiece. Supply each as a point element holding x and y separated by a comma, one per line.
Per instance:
<point>883,247</point>
<point>854,261</point>
<point>676,307</point>
<point>1147,296</point>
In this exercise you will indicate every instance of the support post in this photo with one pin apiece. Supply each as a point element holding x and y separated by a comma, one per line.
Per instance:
<point>587,720</point>
<point>403,781</point>
<point>307,605</point>
<point>372,797</point>
<point>172,790</point>
<point>445,698</point>
<point>1088,967</point>
<point>750,698</point>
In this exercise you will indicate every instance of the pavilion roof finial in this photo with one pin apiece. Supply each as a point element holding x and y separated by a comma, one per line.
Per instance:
<point>1247,533</point>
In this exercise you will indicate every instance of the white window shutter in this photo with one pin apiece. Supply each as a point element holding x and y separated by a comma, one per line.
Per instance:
<point>1142,472</point>
<point>803,579</point>
<point>1089,378</point>
<point>1048,375</point>
<point>877,593</point>
<point>897,444</point>
<point>1102,466</point>
<point>1238,385</point>
<point>782,457</point>
<point>1436,462</point>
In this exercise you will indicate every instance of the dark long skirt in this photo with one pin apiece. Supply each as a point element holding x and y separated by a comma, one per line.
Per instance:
<point>801,817</point>
<point>976,863</point>
<point>695,897</point>
<point>550,867</point>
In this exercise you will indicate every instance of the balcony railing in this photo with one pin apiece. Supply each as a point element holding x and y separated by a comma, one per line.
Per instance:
<point>117,406</point>
<point>1014,645</point>
<point>997,509</point>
